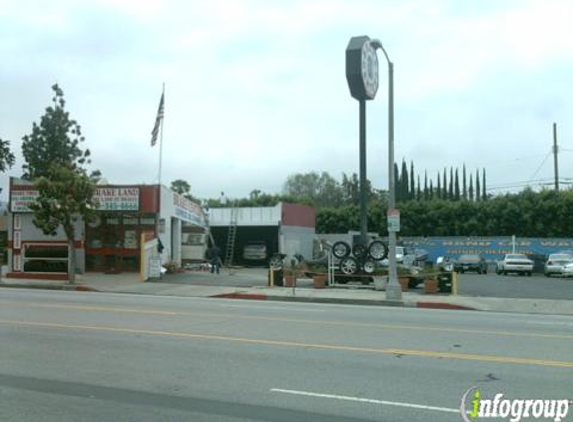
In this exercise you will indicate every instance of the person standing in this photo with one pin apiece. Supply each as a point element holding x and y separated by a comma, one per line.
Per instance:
<point>215,259</point>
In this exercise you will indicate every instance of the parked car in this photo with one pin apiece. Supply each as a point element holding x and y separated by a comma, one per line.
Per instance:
<point>568,270</point>
<point>255,251</point>
<point>515,263</point>
<point>471,262</point>
<point>556,263</point>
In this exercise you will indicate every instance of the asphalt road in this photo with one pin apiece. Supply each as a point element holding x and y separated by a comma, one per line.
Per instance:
<point>71,356</point>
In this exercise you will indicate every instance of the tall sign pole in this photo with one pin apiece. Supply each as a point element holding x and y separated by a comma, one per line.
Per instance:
<point>362,78</point>
<point>363,198</point>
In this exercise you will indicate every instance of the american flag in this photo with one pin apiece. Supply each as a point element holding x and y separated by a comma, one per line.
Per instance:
<point>158,120</point>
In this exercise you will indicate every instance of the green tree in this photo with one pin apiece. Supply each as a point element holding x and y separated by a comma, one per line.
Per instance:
<point>457,187</point>
<point>65,189</point>
<point>6,156</point>
<point>444,186</point>
<point>181,187</point>
<point>404,182</point>
<point>55,141</point>
<point>321,189</point>
<point>439,188</point>
<point>478,191</point>
<point>471,188</point>
<point>451,188</point>
<point>426,195</point>
<point>397,181</point>
<point>412,182</point>
<point>483,189</point>
<point>465,188</point>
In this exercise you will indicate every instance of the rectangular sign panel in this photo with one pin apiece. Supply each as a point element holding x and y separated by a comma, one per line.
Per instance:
<point>117,199</point>
<point>109,199</point>
<point>21,199</point>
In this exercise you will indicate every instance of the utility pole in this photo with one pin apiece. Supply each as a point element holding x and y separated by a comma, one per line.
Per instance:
<point>555,152</point>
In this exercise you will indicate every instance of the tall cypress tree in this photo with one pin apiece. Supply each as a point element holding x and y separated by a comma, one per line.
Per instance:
<point>483,190</point>
<point>438,189</point>
<point>451,187</point>
<point>465,188</point>
<point>445,185</point>
<point>397,181</point>
<point>431,191</point>
<point>426,185</point>
<point>478,192</point>
<point>471,190</point>
<point>419,190</point>
<point>457,187</point>
<point>412,182</point>
<point>405,182</point>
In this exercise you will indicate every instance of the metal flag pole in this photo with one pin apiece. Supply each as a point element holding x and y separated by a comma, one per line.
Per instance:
<point>161,137</point>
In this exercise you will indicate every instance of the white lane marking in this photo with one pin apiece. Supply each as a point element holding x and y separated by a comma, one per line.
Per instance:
<point>569,324</point>
<point>365,400</point>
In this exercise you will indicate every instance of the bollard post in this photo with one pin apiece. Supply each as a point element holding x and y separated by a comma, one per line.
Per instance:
<point>272,276</point>
<point>454,283</point>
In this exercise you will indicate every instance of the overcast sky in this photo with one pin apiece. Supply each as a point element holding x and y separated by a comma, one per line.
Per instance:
<point>256,90</point>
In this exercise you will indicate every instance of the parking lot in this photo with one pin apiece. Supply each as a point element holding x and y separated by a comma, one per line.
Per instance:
<point>535,287</point>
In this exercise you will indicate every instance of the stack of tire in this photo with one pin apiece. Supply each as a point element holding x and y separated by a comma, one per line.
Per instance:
<point>360,258</point>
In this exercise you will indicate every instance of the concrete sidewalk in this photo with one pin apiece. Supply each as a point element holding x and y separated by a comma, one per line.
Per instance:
<point>129,283</point>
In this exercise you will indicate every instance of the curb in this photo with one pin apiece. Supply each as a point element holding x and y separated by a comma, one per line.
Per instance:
<point>443,305</point>
<point>65,287</point>
<point>303,299</point>
<point>424,305</point>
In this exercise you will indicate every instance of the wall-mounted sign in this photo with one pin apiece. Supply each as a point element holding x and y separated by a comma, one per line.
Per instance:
<point>187,210</point>
<point>117,199</point>
<point>21,199</point>
<point>17,222</point>
<point>17,262</point>
<point>17,239</point>
<point>109,199</point>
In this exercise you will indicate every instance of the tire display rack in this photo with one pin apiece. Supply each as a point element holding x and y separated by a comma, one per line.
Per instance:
<point>360,260</point>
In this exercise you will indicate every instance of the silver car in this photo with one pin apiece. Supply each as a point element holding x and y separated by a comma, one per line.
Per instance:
<point>556,264</point>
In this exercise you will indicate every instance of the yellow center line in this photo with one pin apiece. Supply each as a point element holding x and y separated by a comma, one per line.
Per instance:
<point>382,351</point>
<point>292,320</point>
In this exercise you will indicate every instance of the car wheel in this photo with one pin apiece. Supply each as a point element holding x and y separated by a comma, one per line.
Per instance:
<point>341,249</point>
<point>504,272</point>
<point>359,250</point>
<point>529,274</point>
<point>377,250</point>
<point>547,275</point>
<point>369,266</point>
<point>348,265</point>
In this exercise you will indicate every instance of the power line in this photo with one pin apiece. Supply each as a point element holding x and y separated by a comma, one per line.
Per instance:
<point>539,168</point>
